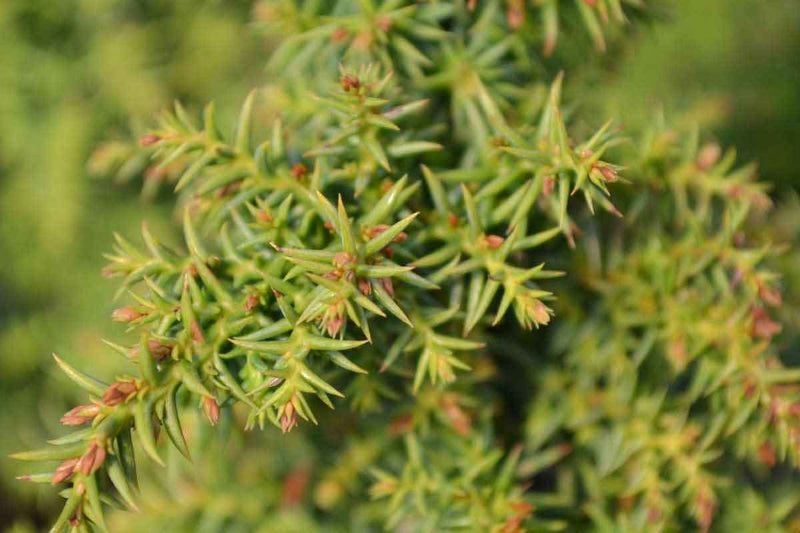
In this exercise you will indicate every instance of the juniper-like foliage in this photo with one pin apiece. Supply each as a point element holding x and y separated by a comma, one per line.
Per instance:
<point>392,220</point>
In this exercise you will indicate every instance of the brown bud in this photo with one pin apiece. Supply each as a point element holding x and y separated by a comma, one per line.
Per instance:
<point>289,418</point>
<point>299,171</point>
<point>384,24</point>
<point>80,415</point>
<point>230,188</point>
<point>93,459</point>
<point>263,217</point>
<point>608,173</point>
<point>126,314</point>
<point>458,419</point>
<point>494,241</point>
<point>119,392</point>
<point>767,455</point>
<point>452,219</point>
<point>565,449</point>
<point>548,185</point>
<point>374,231</point>
<point>538,312</point>
<point>771,297</point>
<point>342,260</point>
<point>362,42</point>
<point>197,333</point>
<point>148,139</point>
<point>705,512</point>
<point>159,351</point>
<point>364,286</point>
<point>763,326</point>
<point>515,13</point>
<point>339,35</point>
<point>386,283</point>
<point>708,156</point>
<point>64,471</point>
<point>678,354</point>
<point>334,323</point>
<point>401,424</point>
<point>749,388</point>
<point>294,487</point>
<point>211,409</point>
<point>251,302</point>
<point>350,82</point>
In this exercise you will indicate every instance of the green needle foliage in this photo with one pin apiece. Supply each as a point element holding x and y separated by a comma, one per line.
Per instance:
<point>408,209</point>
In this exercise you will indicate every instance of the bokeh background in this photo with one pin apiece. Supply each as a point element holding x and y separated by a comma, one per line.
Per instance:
<point>75,73</point>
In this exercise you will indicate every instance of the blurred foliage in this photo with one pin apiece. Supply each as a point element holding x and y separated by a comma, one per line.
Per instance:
<point>730,67</point>
<point>71,73</point>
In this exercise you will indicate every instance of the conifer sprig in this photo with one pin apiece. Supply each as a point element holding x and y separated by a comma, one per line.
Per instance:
<point>386,238</point>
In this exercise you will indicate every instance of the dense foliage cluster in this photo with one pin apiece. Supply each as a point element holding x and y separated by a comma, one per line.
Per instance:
<point>406,215</point>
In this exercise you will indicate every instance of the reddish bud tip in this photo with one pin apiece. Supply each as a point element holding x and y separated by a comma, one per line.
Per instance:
<point>92,460</point>
<point>767,455</point>
<point>251,302</point>
<point>80,415</point>
<point>515,14</point>
<point>211,409</point>
<point>762,325</point>
<point>364,286</point>
<point>299,171</point>
<point>384,24</point>
<point>342,260</point>
<point>494,241</point>
<point>350,82</point>
<point>401,424</point>
<point>339,35</point>
<point>708,156</point>
<point>609,174</point>
<point>263,217</point>
<point>288,418</point>
<point>197,333</point>
<point>386,283</point>
<point>119,392</point>
<point>126,314</point>
<point>548,185</point>
<point>771,297</point>
<point>148,139</point>
<point>64,471</point>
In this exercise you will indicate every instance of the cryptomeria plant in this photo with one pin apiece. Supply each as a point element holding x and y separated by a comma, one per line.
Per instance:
<point>390,223</point>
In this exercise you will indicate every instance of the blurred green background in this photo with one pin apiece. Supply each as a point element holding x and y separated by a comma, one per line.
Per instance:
<point>76,72</point>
